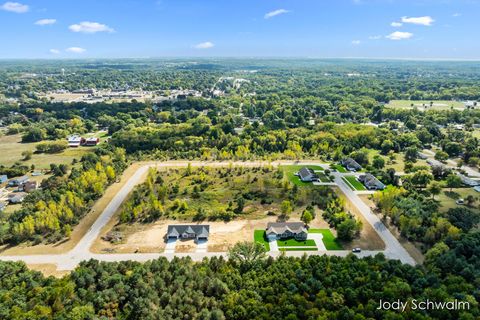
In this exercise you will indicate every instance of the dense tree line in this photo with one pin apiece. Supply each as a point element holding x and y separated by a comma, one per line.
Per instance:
<point>248,286</point>
<point>50,213</point>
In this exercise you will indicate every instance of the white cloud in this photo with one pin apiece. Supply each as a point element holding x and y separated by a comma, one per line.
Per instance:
<point>45,22</point>
<point>15,7</point>
<point>75,50</point>
<point>356,42</point>
<point>274,13</point>
<point>54,51</point>
<point>399,35</point>
<point>396,24</point>
<point>456,15</point>
<point>375,37</point>
<point>424,21</point>
<point>90,27</point>
<point>204,45</point>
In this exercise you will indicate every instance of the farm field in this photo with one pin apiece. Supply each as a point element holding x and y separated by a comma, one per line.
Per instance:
<point>437,104</point>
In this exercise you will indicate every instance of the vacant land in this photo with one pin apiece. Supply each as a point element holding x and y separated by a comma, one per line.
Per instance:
<point>353,183</point>
<point>425,104</point>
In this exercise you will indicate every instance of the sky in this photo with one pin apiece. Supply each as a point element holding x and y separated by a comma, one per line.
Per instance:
<point>400,29</point>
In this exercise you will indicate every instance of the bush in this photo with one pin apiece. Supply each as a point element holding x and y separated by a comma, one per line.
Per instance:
<point>52,147</point>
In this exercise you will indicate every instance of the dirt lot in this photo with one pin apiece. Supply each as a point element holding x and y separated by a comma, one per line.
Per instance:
<point>48,270</point>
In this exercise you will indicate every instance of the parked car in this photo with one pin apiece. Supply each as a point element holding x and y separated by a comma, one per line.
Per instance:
<point>460,201</point>
<point>356,250</point>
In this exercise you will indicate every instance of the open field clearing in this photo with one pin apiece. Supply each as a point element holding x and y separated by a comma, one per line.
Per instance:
<point>448,198</point>
<point>11,149</point>
<point>429,104</point>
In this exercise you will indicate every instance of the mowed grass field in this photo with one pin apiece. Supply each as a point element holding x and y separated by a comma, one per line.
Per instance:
<point>11,149</point>
<point>437,104</point>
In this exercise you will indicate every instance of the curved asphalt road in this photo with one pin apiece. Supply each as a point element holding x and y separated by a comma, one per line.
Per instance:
<point>81,252</point>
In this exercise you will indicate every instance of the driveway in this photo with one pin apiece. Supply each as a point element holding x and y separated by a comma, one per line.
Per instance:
<point>201,246</point>
<point>318,238</point>
<point>170,246</point>
<point>273,246</point>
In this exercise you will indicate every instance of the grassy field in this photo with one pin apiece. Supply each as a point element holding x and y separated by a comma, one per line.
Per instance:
<point>259,237</point>
<point>354,183</point>
<point>296,243</point>
<point>11,149</point>
<point>447,199</point>
<point>291,170</point>
<point>339,168</point>
<point>329,240</point>
<point>437,104</point>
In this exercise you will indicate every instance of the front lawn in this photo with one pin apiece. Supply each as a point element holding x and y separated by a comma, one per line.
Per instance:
<point>352,181</point>
<point>298,249</point>
<point>292,169</point>
<point>330,242</point>
<point>259,237</point>
<point>296,243</point>
<point>339,168</point>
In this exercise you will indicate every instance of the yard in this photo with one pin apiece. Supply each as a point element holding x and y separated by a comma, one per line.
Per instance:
<point>448,198</point>
<point>353,183</point>
<point>259,237</point>
<point>339,168</point>
<point>329,240</point>
<point>11,149</point>
<point>295,243</point>
<point>292,169</point>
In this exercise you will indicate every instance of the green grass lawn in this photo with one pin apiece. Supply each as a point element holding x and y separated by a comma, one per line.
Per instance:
<point>296,243</point>
<point>353,182</point>
<point>339,168</point>
<point>298,249</point>
<point>437,104</point>
<point>259,236</point>
<point>330,242</point>
<point>323,177</point>
<point>292,169</point>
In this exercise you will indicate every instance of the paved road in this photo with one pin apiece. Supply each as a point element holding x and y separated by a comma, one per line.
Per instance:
<point>81,251</point>
<point>393,248</point>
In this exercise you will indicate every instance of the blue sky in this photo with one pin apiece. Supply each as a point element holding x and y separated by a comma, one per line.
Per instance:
<point>420,29</point>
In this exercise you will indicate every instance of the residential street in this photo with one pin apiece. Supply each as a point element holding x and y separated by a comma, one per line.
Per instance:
<point>81,252</point>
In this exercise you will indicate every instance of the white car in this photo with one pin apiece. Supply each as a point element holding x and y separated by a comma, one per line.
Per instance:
<point>460,201</point>
<point>356,250</point>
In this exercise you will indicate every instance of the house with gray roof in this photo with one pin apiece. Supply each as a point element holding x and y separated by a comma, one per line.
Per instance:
<point>371,182</point>
<point>18,181</point>
<point>350,164</point>
<point>307,175</point>
<point>468,181</point>
<point>284,230</point>
<point>188,231</point>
